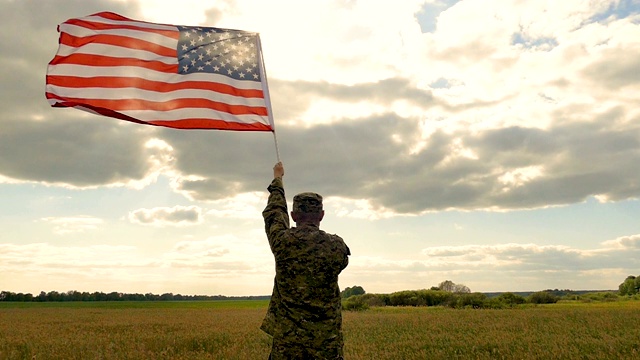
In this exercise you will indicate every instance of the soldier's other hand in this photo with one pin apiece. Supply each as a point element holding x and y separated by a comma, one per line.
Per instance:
<point>278,170</point>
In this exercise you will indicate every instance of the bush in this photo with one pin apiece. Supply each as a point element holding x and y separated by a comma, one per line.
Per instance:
<point>354,303</point>
<point>373,300</point>
<point>351,291</point>
<point>472,300</point>
<point>542,297</point>
<point>511,299</point>
<point>420,298</point>
<point>406,298</point>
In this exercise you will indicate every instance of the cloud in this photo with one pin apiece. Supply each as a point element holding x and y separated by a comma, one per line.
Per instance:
<point>241,206</point>
<point>487,266</point>
<point>167,216</point>
<point>42,258</point>
<point>320,102</point>
<point>76,153</point>
<point>232,261</point>
<point>219,256</point>
<point>616,68</point>
<point>67,225</point>
<point>355,208</point>
<point>631,242</point>
<point>504,168</point>
<point>533,257</point>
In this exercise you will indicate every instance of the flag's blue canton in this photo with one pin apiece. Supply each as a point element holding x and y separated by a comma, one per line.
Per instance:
<point>233,53</point>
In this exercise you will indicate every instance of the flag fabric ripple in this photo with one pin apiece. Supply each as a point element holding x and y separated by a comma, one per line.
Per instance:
<point>165,75</point>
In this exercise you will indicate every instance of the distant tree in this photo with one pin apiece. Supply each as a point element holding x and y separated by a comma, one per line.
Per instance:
<point>114,296</point>
<point>351,291</point>
<point>447,286</point>
<point>450,286</point>
<point>166,296</point>
<point>73,295</point>
<point>53,296</point>
<point>461,289</point>
<point>630,286</point>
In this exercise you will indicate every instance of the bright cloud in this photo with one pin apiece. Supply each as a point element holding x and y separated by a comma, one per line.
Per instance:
<point>66,225</point>
<point>162,216</point>
<point>241,206</point>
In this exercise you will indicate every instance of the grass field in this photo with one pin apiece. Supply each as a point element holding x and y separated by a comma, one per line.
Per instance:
<point>230,330</point>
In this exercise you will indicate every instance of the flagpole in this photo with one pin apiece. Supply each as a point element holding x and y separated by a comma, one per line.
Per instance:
<point>267,98</point>
<point>275,139</point>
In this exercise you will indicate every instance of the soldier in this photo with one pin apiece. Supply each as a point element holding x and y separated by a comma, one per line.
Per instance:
<point>304,316</point>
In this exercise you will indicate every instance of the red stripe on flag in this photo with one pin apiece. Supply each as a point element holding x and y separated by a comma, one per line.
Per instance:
<point>144,84</point>
<point>138,104</point>
<point>211,124</point>
<point>190,123</point>
<point>117,40</point>
<point>99,60</point>
<point>97,26</point>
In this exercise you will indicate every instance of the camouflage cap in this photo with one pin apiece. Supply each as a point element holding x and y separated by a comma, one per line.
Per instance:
<point>307,202</point>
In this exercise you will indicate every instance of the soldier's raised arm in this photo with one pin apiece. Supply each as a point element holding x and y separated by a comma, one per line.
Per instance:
<point>278,170</point>
<point>276,217</point>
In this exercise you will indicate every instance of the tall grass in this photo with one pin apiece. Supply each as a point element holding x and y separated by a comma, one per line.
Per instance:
<point>574,331</point>
<point>215,330</point>
<point>128,331</point>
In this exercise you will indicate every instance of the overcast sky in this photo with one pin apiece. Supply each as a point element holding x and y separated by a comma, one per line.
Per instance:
<point>495,144</point>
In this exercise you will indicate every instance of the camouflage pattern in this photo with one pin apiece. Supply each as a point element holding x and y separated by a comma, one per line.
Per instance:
<point>304,316</point>
<point>307,202</point>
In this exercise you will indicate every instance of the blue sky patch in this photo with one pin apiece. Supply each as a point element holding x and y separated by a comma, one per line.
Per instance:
<point>428,16</point>
<point>619,10</point>
<point>541,43</point>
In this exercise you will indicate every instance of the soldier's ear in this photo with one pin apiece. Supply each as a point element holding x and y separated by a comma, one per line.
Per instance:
<point>321,216</point>
<point>294,216</point>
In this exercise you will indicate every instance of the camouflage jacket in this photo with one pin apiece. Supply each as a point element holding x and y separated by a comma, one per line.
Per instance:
<point>305,305</point>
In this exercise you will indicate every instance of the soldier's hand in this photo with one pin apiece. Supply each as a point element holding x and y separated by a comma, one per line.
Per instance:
<point>278,170</point>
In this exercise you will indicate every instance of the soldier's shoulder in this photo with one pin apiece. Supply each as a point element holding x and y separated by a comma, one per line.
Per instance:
<point>334,237</point>
<point>336,240</point>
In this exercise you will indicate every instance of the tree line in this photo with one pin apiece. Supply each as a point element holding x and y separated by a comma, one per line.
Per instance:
<point>468,300</point>
<point>449,294</point>
<point>114,296</point>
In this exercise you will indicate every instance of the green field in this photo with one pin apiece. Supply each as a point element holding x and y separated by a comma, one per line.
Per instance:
<point>229,330</point>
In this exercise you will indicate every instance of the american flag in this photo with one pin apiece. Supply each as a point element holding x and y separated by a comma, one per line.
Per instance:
<point>175,76</point>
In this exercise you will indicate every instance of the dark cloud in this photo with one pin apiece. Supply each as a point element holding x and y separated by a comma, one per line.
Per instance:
<point>360,158</point>
<point>77,152</point>
<point>616,69</point>
<point>335,158</point>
